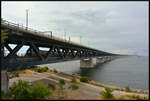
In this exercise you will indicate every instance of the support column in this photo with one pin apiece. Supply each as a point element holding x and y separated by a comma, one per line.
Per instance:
<point>4,81</point>
<point>4,75</point>
<point>107,58</point>
<point>86,63</point>
<point>100,60</point>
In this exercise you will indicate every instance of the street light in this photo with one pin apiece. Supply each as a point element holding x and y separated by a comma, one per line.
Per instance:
<point>27,18</point>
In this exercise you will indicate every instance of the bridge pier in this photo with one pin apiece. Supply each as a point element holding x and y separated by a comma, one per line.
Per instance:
<point>108,58</point>
<point>4,81</point>
<point>103,59</point>
<point>86,63</point>
<point>100,60</point>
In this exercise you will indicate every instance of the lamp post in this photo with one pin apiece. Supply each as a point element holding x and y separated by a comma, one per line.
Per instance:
<point>27,18</point>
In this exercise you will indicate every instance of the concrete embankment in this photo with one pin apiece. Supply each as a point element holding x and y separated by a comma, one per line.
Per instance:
<point>89,90</point>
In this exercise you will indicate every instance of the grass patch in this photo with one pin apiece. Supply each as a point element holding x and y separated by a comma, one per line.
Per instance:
<point>127,89</point>
<point>107,93</point>
<point>62,81</point>
<point>73,80</point>
<point>24,91</point>
<point>16,74</point>
<point>73,74</point>
<point>52,86</point>
<point>136,97</point>
<point>122,98</point>
<point>85,79</point>
<point>55,71</point>
<point>41,69</point>
<point>10,75</point>
<point>74,87</point>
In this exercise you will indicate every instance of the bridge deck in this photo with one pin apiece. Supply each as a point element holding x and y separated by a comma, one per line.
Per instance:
<point>28,32</point>
<point>59,49</point>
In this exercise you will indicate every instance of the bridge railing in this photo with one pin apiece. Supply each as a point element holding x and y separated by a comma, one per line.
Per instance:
<point>35,32</point>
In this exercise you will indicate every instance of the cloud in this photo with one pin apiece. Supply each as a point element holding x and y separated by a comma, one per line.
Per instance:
<point>107,25</point>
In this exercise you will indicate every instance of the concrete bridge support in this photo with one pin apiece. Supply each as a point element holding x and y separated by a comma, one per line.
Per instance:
<point>86,63</point>
<point>108,58</point>
<point>4,81</point>
<point>100,60</point>
<point>103,59</point>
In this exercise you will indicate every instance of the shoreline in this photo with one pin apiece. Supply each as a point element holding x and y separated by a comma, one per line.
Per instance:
<point>110,86</point>
<point>90,89</point>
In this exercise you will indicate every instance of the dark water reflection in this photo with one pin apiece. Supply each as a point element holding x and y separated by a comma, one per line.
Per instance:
<point>132,71</point>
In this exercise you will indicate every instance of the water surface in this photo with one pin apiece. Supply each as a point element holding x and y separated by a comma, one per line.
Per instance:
<point>132,71</point>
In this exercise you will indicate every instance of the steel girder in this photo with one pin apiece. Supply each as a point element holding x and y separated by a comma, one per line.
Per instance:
<point>34,55</point>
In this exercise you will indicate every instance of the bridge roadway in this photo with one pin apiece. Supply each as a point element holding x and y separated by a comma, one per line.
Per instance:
<point>59,49</point>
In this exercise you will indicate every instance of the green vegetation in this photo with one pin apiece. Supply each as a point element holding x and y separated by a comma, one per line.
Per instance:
<point>73,80</point>
<point>127,89</point>
<point>40,91</point>
<point>52,86</point>
<point>74,87</point>
<point>132,97</point>
<point>136,97</point>
<point>122,98</point>
<point>16,74</point>
<point>55,71</point>
<point>107,93</point>
<point>146,98</point>
<point>61,91</point>
<point>62,82</point>
<point>73,74</point>
<point>4,35</point>
<point>41,69</point>
<point>20,90</point>
<point>24,91</point>
<point>85,79</point>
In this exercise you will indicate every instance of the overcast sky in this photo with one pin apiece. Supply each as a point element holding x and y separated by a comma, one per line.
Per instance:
<point>118,27</point>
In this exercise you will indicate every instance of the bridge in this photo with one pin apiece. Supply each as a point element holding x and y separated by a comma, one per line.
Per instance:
<point>58,49</point>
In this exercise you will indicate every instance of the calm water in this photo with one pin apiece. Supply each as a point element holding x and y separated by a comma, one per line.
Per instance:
<point>132,71</point>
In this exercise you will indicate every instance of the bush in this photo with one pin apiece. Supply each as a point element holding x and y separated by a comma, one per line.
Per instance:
<point>16,74</point>
<point>55,71</point>
<point>73,74</point>
<point>41,69</point>
<point>23,91</point>
<point>74,80</point>
<point>62,81</point>
<point>37,69</point>
<point>74,87</point>
<point>127,89</point>
<point>40,91</point>
<point>85,79</point>
<point>44,69</point>
<point>107,93</point>
<point>52,86</point>
<point>20,90</point>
